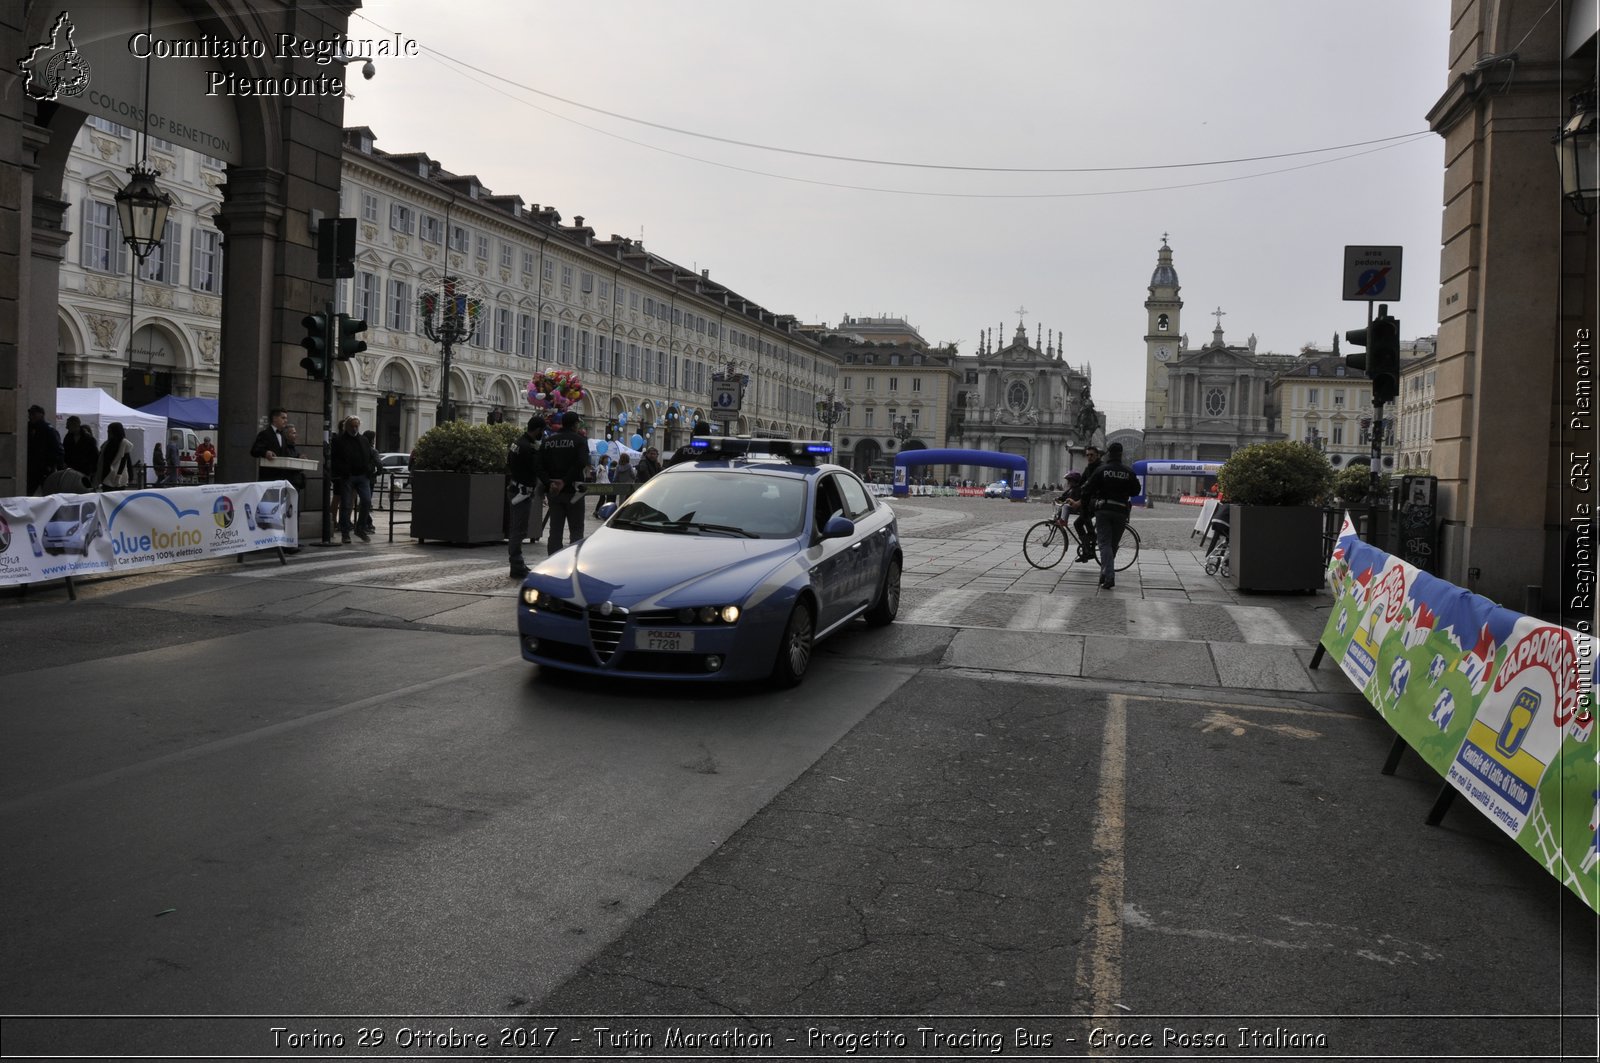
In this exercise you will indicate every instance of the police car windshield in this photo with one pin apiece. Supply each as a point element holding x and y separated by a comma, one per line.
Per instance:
<point>699,502</point>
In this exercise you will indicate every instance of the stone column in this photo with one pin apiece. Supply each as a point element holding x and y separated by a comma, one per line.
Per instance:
<point>252,212</point>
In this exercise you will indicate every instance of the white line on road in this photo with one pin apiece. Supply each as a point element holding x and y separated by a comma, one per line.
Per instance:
<point>942,609</point>
<point>1260,625</point>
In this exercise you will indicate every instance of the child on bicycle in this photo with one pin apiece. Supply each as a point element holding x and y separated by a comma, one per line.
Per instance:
<point>1072,498</point>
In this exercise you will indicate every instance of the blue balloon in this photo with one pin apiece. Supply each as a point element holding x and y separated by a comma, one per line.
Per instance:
<point>600,447</point>
<point>622,418</point>
<point>637,442</point>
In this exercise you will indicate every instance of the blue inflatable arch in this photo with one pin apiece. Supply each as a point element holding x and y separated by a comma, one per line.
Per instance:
<point>1151,467</point>
<point>989,459</point>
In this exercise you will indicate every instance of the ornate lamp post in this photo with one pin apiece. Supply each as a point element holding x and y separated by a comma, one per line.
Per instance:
<point>142,208</point>
<point>1578,152</point>
<point>902,430</point>
<point>829,412</point>
<point>449,316</point>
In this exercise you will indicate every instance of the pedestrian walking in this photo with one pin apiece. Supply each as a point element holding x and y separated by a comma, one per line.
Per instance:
<point>81,448</point>
<point>158,465</point>
<point>116,458</point>
<point>1107,492</point>
<point>563,459</point>
<point>649,464</point>
<point>45,454</point>
<point>526,492</point>
<point>354,463</point>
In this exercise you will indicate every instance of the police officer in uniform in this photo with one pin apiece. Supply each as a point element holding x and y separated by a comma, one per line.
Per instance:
<point>1106,493</point>
<point>527,493</point>
<point>562,459</point>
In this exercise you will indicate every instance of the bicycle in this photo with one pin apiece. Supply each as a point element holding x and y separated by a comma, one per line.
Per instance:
<point>1045,543</point>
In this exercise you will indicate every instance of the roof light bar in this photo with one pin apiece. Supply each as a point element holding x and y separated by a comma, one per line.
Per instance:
<point>739,446</point>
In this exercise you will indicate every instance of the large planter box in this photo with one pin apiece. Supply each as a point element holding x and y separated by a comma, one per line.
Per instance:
<point>457,507</point>
<point>1276,549</point>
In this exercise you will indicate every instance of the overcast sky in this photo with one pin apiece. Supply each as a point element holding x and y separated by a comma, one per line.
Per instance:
<point>942,96</point>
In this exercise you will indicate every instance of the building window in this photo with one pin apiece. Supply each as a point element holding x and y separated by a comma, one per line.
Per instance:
<point>458,238</point>
<point>432,229</point>
<point>483,246</point>
<point>102,247</point>
<point>605,291</point>
<point>206,261</point>
<point>502,329</point>
<point>366,296</point>
<point>633,298</point>
<point>549,269</point>
<point>547,340</point>
<point>916,384</point>
<point>583,349</point>
<point>105,125</point>
<point>212,163</point>
<point>849,381</point>
<point>602,351</point>
<point>1311,396</point>
<point>894,383</point>
<point>400,219</point>
<point>399,306</point>
<point>588,281</point>
<point>1338,400</point>
<point>369,207</point>
<point>1216,402</point>
<point>505,255</point>
<point>1338,435</point>
<point>566,275</point>
<point>870,412</point>
<point>161,264</point>
<point>525,335</point>
<point>566,344</point>
<point>527,263</point>
<point>872,382</point>
<point>649,306</point>
<point>633,361</point>
<point>661,367</point>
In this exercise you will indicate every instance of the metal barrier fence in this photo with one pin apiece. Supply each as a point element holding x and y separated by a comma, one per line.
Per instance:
<point>388,496</point>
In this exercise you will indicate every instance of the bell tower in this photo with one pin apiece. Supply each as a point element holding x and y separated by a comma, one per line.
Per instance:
<point>1163,325</point>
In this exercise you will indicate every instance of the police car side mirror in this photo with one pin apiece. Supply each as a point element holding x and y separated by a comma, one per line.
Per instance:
<point>838,528</point>
<point>606,510</point>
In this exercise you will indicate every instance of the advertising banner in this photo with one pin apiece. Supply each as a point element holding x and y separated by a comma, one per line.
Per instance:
<point>1498,703</point>
<point>52,536</point>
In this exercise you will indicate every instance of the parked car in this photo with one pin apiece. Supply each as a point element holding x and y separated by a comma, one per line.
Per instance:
<point>275,509</point>
<point>728,567</point>
<point>397,467</point>
<point>998,489</point>
<point>71,528</point>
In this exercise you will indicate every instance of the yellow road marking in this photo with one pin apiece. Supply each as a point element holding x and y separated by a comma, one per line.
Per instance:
<point>1099,969</point>
<point>1216,720</point>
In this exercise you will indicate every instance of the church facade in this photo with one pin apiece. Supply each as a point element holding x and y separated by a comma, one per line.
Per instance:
<point>1201,403</point>
<point>1023,398</point>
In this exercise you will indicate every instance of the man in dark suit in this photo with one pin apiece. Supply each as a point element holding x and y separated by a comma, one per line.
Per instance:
<point>270,441</point>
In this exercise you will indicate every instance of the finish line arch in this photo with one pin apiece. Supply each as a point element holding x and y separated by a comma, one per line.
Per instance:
<point>1015,464</point>
<point>1152,467</point>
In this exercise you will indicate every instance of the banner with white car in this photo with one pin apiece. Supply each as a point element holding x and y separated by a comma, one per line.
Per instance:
<point>52,536</point>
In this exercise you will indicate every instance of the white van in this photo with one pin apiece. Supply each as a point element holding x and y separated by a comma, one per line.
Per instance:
<point>180,448</point>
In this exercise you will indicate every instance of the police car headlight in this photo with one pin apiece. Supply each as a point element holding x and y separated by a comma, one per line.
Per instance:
<point>530,597</point>
<point>730,614</point>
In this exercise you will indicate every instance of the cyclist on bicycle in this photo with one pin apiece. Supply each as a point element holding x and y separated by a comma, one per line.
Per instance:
<point>1105,493</point>
<point>1083,523</point>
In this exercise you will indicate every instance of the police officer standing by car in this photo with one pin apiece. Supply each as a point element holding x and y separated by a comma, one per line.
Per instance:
<point>1106,494</point>
<point>562,459</point>
<point>525,490</point>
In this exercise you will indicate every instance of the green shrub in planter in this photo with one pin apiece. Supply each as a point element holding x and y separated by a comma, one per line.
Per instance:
<point>458,482</point>
<point>1284,473</point>
<point>1275,490</point>
<point>457,446</point>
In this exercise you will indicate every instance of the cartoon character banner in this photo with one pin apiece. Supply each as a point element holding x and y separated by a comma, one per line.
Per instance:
<point>1499,703</point>
<point>52,536</point>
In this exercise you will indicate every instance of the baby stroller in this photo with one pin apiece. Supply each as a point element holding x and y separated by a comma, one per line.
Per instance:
<point>1217,556</point>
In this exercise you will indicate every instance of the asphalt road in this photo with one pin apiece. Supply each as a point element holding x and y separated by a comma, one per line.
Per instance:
<point>259,792</point>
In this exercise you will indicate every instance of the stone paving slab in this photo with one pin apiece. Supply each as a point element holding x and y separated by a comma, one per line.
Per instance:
<point>1248,667</point>
<point>1148,661</point>
<point>1041,653</point>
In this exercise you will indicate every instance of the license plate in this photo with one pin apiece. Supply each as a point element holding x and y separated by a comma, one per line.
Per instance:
<point>666,641</point>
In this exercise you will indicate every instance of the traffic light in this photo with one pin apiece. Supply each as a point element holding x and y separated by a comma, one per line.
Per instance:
<point>1384,354</point>
<point>350,341</point>
<point>1380,362</point>
<point>315,363</point>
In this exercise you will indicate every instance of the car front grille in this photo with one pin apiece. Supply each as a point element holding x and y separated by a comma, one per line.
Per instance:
<point>605,632</point>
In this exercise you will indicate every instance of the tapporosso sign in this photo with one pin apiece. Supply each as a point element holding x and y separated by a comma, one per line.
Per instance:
<point>119,531</point>
<point>1499,703</point>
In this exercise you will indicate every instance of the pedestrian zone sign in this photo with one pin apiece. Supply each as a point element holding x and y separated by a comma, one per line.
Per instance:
<point>725,398</point>
<point>1371,274</point>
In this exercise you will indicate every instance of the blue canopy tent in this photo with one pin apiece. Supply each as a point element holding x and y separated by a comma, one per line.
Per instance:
<point>1151,467</point>
<point>184,413</point>
<point>989,459</point>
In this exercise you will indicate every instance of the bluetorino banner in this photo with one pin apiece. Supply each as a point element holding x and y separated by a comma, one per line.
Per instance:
<point>52,536</point>
<point>1499,703</point>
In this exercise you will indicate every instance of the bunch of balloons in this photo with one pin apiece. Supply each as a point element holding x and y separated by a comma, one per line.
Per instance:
<point>555,389</point>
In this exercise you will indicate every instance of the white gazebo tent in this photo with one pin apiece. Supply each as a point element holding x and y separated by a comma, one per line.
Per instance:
<point>97,410</point>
